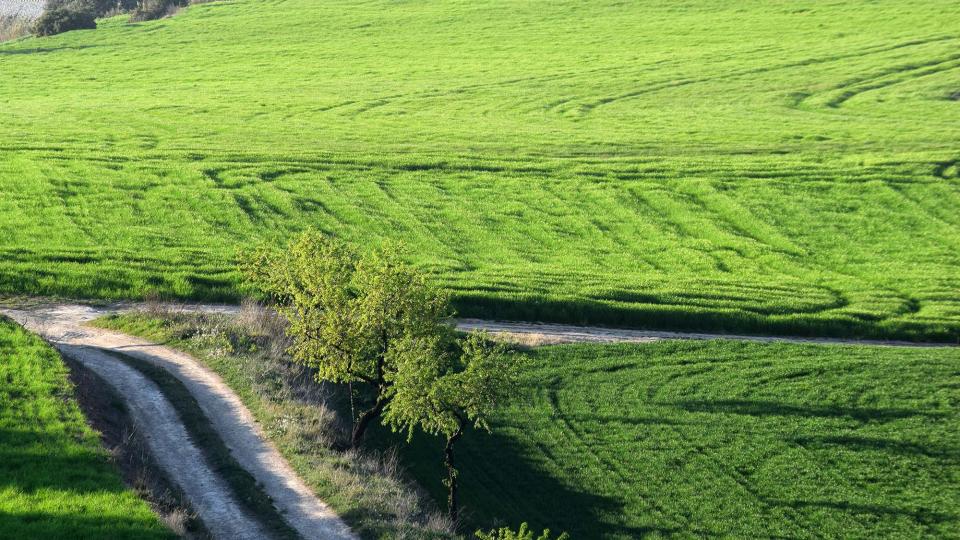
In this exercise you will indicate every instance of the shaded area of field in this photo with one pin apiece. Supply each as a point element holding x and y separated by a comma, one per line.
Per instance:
<point>771,168</point>
<point>720,439</point>
<point>56,481</point>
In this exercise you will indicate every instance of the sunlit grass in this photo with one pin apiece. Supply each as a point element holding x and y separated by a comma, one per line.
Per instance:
<point>671,439</point>
<point>55,478</point>
<point>767,167</point>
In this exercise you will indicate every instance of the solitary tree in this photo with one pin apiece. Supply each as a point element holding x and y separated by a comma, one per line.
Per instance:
<point>351,317</point>
<point>442,389</point>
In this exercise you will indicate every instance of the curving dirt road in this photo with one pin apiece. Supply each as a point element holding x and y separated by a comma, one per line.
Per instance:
<point>63,325</point>
<point>545,334</point>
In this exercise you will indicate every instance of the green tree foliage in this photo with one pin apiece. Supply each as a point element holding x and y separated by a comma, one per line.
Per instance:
<point>442,389</point>
<point>524,533</point>
<point>352,317</point>
<point>373,319</point>
<point>60,20</point>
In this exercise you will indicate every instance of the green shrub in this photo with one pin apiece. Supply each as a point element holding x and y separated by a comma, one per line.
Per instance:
<point>523,533</point>
<point>59,20</point>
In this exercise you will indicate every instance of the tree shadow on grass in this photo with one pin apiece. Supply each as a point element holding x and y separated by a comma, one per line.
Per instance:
<point>920,515</point>
<point>501,486</point>
<point>630,420</point>
<point>880,444</point>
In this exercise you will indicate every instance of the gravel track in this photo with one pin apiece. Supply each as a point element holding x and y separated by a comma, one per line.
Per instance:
<point>63,326</point>
<point>543,334</point>
<point>169,443</point>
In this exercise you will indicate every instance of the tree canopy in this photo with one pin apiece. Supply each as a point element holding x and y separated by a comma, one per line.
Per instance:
<point>442,391</point>
<point>352,317</point>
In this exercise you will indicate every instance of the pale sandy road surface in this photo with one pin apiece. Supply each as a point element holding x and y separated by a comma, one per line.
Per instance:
<point>542,333</point>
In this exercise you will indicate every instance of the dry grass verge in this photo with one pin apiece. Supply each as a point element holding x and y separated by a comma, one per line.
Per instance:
<point>307,421</point>
<point>14,27</point>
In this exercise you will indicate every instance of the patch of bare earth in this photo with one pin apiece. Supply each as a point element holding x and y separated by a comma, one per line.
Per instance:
<point>124,440</point>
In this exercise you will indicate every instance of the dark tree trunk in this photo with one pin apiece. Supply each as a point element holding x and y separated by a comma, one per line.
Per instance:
<point>364,421</point>
<point>453,504</point>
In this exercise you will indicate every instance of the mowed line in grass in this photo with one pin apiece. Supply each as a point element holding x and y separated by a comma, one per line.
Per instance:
<point>763,168</point>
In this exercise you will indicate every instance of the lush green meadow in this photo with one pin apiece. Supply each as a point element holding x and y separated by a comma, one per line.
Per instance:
<point>751,166</point>
<point>722,439</point>
<point>55,479</point>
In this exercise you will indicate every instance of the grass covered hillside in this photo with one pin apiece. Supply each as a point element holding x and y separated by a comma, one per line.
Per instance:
<point>55,478</point>
<point>722,439</point>
<point>759,166</point>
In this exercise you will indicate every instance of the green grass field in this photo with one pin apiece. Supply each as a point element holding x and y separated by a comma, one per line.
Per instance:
<point>55,479</point>
<point>762,166</point>
<point>722,439</point>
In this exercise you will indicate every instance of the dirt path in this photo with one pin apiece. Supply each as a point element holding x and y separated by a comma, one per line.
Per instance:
<point>63,325</point>
<point>550,333</point>
<point>544,334</point>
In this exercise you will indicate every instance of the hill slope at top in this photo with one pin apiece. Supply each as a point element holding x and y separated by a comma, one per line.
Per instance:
<point>725,165</point>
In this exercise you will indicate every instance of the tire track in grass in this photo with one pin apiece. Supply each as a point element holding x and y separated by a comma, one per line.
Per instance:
<point>570,429</point>
<point>588,107</point>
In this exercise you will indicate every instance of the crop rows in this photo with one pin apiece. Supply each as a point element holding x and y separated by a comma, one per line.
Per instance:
<point>723,439</point>
<point>761,170</point>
